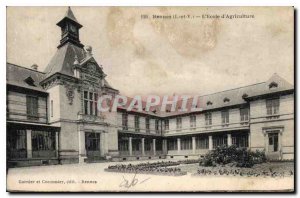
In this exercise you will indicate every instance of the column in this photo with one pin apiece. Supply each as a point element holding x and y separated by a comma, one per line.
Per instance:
<point>178,145</point>
<point>165,146</point>
<point>28,144</point>
<point>56,143</point>
<point>154,147</point>
<point>102,143</point>
<point>194,144</point>
<point>279,144</point>
<point>249,140</point>
<point>143,146</point>
<point>210,142</point>
<point>266,142</point>
<point>229,140</point>
<point>106,137</point>
<point>130,146</point>
<point>82,151</point>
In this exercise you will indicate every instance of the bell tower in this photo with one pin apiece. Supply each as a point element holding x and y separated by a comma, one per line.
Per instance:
<point>69,29</point>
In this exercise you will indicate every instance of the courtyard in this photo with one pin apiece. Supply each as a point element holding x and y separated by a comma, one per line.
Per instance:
<point>93,177</point>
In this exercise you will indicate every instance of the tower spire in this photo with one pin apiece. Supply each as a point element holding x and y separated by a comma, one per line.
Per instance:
<point>69,14</point>
<point>69,29</point>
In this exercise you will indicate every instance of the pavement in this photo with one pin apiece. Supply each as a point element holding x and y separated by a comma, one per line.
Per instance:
<point>92,177</point>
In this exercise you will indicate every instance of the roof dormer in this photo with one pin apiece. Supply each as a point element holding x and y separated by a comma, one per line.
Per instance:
<point>273,85</point>
<point>226,100</point>
<point>244,95</point>
<point>30,81</point>
<point>209,103</point>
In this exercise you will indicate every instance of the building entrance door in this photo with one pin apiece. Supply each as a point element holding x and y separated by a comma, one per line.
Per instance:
<point>92,144</point>
<point>273,142</point>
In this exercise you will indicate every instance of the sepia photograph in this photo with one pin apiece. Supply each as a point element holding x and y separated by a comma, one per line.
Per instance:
<point>150,99</point>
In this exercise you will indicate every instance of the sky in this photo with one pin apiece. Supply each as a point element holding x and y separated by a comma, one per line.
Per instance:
<point>164,56</point>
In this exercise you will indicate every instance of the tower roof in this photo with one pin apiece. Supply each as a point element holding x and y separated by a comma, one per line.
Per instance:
<point>69,49</point>
<point>62,61</point>
<point>69,16</point>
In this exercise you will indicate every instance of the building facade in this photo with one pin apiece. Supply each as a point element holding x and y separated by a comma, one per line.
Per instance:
<point>52,116</point>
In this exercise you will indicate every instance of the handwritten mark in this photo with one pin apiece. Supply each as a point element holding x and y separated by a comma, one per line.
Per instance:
<point>127,183</point>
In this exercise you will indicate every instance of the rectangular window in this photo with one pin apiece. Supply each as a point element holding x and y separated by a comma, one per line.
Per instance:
<point>147,125</point>
<point>43,144</point>
<point>178,123</point>
<point>125,121</point>
<point>193,121</point>
<point>43,140</point>
<point>85,102</point>
<point>202,142</point>
<point>90,103</point>
<point>166,124</point>
<point>136,144</point>
<point>137,123</point>
<point>16,144</point>
<point>91,95</point>
<point>32,107</point>
<point>225,117</point>
<point>272,106</point>
<point>244,114</point>
<point>91,109</point>
<point>96,104</point>
<point>123,144</point>
<point>172,144</point>
<point>148,144</point>
<point>219,140</point>
<point>51,106</point>
<point>157,126</point>
<point>240,140</point>
<point>186,143</point>
<point>159,144</point>
<point>208,119</point>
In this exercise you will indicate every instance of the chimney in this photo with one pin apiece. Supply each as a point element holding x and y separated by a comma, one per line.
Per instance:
<point>34,67</point>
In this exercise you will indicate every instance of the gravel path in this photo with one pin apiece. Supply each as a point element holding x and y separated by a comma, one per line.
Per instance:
<point>92,177</point>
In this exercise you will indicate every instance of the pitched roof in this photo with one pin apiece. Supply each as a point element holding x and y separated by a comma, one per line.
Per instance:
<point>63,60</point>
<point>28,78</point>
<point>24,77</point>
<point>236,96</point>
<point>227,98</point>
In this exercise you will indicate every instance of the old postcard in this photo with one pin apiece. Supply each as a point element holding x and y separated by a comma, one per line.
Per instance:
<point>150,99</point>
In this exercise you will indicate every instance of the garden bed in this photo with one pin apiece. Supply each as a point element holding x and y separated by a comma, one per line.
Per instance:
<point>283,169</point>
<point>148,168</point>
<point>160,171</point>
<point>190,161</point>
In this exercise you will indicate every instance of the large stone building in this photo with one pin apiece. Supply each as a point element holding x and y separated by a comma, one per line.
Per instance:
<point>52,116</point>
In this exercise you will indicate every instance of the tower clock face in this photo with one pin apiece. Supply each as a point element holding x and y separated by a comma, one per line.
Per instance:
<point>72,28</point>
